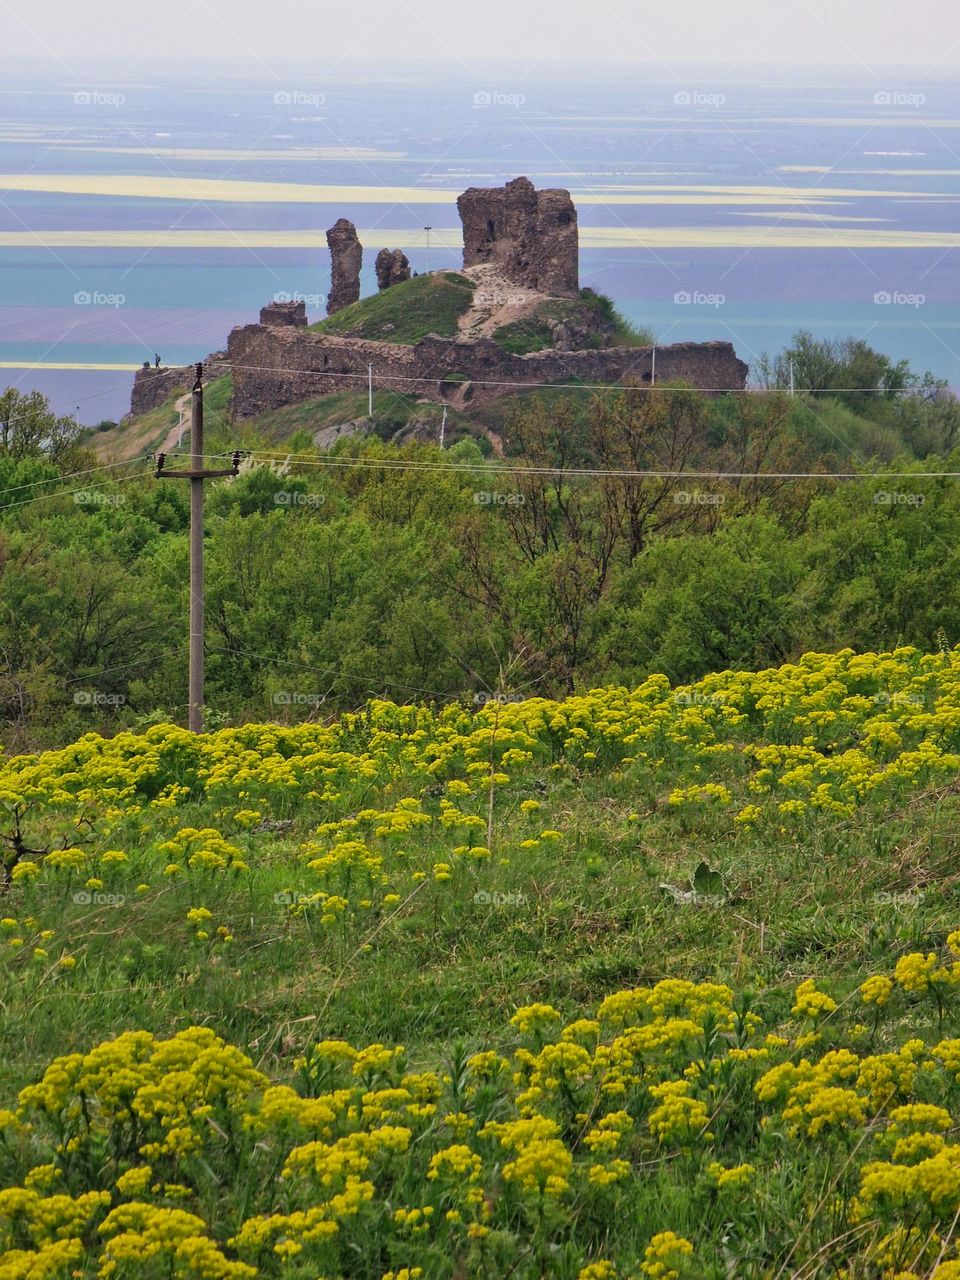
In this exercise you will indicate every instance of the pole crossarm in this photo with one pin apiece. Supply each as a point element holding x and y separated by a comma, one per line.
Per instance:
<point>162,473</point>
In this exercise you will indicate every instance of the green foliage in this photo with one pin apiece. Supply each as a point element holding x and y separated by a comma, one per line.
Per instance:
<point>408,311</point>
<point>524,336</point>
<point>848,368</point>
<point>626,333</point>
<point>407,571</point>
<point>29,429</point>
<point>588,310</point>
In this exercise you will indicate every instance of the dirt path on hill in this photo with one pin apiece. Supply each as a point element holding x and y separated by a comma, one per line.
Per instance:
<point>496,302</point>
<point>173,435</point>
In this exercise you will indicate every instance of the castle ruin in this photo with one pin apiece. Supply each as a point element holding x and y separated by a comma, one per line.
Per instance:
<point>530,235</point>
<point>527,238</point>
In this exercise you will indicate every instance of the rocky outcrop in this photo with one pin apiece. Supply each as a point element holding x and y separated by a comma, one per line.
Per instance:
<point>284,313</point>
<point>346,253</point>
<point>530,236</point>
<point>393,267</point>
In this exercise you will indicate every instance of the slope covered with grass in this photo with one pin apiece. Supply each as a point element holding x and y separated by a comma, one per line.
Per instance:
<point>673,971</point>
<point>406,312</point>
<point>590,312</point>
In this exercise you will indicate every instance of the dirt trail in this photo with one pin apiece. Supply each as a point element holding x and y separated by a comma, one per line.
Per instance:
<point>173,435</point>
<point>496,302</point>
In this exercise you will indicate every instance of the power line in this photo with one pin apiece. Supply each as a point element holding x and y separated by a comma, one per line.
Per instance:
<point>481,468</point>
<point>66,493</point>
<point>70,475</point>
<point>478,470</point>
<point>574,386</point>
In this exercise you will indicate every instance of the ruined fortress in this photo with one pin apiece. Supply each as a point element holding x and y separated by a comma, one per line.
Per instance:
<point>516,239</point>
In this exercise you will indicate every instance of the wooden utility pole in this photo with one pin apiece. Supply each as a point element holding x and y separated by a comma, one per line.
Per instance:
<point>196,475</point>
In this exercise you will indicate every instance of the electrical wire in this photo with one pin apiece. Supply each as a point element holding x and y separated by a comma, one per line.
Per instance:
<point>71,475</point>
<point>66,493</point>
<point>363,377</point>
<point>397,464</point>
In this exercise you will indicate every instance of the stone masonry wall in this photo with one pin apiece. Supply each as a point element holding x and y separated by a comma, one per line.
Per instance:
<point>273,367</point>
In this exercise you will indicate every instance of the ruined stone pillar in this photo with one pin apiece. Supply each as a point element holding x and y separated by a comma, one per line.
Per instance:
<point>346,253</point>
<point>393,266</point>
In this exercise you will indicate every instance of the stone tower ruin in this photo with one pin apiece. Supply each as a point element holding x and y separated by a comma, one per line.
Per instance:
<point>530,236</point>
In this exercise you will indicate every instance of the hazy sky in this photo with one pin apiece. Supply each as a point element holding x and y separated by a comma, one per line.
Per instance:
<point>872,33</point>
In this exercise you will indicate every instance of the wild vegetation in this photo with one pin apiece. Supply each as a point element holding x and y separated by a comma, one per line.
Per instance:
<point>408,311</point>
<point>406,571</point>
<point>567,886</point>
<point>645,983</point>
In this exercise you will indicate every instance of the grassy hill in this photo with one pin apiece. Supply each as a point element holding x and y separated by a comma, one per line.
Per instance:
<point>674,972</point>
<point>145,434</point>
<point>591,313</point>
<point>406,312</point>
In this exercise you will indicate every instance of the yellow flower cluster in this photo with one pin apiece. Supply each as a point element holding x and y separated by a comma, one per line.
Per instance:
<point>377,1156</point>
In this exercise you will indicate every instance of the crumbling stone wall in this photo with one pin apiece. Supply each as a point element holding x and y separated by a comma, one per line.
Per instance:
<point>284,313</point>
<point>152,387</point>
<point>276,367</point>
<point>530,236</point>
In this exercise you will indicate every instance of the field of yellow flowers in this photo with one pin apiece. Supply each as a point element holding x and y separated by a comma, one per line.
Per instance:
<point>645,983</point>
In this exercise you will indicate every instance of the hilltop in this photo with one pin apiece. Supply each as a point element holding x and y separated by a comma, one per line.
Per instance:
<point>515,316</point>
<point>444,304</point>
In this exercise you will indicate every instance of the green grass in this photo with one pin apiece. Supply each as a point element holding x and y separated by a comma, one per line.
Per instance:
<point>539,855</point>
<point>136,436</point>
<point>532,333</point>
<point>392,411</point>
<point>406,312</point>
<point>593,917</point>
<point>524,336</point>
